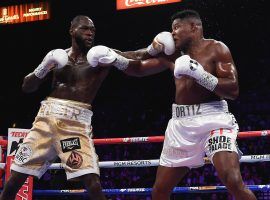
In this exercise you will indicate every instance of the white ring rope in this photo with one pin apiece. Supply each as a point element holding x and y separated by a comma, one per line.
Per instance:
<point>155,162</point>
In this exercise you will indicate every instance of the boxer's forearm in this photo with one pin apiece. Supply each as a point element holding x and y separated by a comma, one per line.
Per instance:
<point>31,83</point>
<point>140,54</point>
<point>227,88</point>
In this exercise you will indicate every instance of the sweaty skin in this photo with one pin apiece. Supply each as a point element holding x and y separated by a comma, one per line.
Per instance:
<point>214,56</point>
<point>76,81</point>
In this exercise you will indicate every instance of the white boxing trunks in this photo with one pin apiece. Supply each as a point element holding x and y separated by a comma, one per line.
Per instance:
<point>196,130</point>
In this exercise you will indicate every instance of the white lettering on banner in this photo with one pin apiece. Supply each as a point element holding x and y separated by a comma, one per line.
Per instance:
<point>6,19</point>
<point>34,9</point>
<point>125,139</point>
<point>193,188</point>
<point>72,191</point>
<point>35,13</point>
<point>264,133</point>
<point>133,190</point>
<point>136,139</point>
<point>260,157</point>
<point>23,193</point>
<point>132,163</point>
<point>142,2</point>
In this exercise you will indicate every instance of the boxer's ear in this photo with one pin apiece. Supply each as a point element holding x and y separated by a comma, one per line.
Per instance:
<point>71,31</point>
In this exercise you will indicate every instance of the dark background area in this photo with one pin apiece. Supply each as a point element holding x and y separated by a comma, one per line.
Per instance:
<point>243,25</point>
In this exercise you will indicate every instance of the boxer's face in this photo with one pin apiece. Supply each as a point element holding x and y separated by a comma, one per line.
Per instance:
<point>181,31</point>
<point>84,33</point>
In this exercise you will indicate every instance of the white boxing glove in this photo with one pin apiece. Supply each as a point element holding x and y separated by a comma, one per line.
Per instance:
<point>56,58</point>
<point>184,65</point>
<point>104,55</point>
<point>163,42</point>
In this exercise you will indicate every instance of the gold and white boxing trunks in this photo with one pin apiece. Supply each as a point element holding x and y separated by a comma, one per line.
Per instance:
<point>61,128</point>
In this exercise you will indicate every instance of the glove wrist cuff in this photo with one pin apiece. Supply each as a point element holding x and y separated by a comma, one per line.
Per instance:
<point>153,51</point>
<point>121,62</point>
<point>41,71</point>
<point>208,81</point>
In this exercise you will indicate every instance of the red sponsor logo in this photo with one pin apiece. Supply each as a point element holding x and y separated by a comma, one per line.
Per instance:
<point>128,4</point>
<point>25,193</point>
<point>19,134</point>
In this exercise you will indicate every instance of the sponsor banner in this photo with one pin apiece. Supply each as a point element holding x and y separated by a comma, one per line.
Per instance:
<point>128,190</point>
<point>135,139</point>
<point>25,193</point>
<point>128,4</point>
<point>24,13</point>
<point>134,163</point>
<point>79,191</point>
<point>260,157</point>
<point>15,138</point>
<point>203,188</point>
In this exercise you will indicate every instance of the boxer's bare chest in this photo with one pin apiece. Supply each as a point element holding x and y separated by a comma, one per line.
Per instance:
<point>190,92</point>
<point>78,81</point>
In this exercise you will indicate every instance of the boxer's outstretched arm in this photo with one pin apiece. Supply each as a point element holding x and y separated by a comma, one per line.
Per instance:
<point>104,56</point>
<point>146,67</point>
<point>140,54</point>
<point>163,42</point>
<point>227,86</point>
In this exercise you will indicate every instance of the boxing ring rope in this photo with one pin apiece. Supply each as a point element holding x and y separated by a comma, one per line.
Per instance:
<point>147,191</point>
<point>152,139</point>
<point>155,162</point>
<point>151,163</point>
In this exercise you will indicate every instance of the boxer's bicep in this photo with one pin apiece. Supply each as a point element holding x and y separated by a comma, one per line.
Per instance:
<point>226,73</point>
<point>225,65</point>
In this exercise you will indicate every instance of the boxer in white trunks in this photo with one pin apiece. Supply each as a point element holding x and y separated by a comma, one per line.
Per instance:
<point>205,75</point>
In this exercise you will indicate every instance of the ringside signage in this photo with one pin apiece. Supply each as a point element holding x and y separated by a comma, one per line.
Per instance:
<point>15,139</point>
<point>24,13</point>
<point>128,4</point>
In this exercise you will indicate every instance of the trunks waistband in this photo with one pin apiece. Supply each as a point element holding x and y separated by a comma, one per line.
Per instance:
<point>181,111</point>
<point>65,109</point>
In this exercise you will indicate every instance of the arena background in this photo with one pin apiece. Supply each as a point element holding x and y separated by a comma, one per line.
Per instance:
<point>128,106</point>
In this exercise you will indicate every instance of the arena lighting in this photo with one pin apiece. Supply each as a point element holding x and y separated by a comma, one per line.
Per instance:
<point>128,4</point>
<point>24,13</point>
